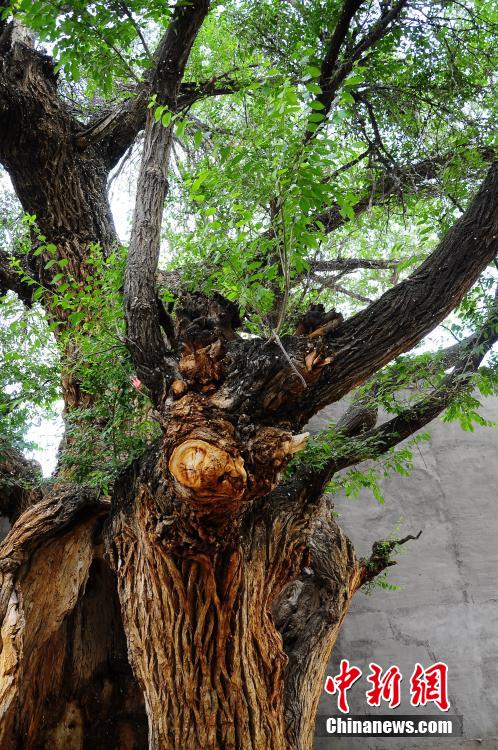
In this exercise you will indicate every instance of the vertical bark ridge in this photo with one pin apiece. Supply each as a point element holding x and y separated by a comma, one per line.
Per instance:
<point>200,636</point>
<point>309,614</point>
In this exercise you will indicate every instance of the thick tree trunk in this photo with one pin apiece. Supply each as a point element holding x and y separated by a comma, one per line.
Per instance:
<point>201,638</point>
<point>221,661</point>
<point>198,578</point>
<point>196,598</point>
<point>65,680</point>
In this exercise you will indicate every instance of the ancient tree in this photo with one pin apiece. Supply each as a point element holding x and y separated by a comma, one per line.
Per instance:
<point>290,159</point>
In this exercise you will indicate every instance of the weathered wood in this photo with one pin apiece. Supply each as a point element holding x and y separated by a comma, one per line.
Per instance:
<point>228,586</point>
<point>65,681</point>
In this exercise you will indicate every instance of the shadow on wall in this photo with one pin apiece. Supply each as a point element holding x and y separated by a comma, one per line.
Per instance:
<point>447,605</point>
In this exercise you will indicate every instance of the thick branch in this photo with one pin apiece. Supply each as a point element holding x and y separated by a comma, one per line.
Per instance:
<point>65,507</point>
<point>328,67</point>
<point>309,614</point>
<point>466,358</point>
<point>333,74</point>
<point>118,127</point>
<point>63,669</point>
<point>19,483</point>
<point>310,611</point>
<point>148,345</point>
<point>408,177</point>
<point>402,316</point>
<point>336,358</point>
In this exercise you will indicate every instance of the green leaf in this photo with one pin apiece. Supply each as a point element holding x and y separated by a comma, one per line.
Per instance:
<point>312,71</point>
<point>180,128</point>
<point>76,317</point>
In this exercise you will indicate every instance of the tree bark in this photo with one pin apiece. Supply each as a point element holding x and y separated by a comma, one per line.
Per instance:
<point>208,619</point>
<point>65,680</point>
<point>201,639</point>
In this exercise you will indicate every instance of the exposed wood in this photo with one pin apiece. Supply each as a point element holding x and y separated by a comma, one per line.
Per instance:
<point>207,470</point>
<point>64,677</point>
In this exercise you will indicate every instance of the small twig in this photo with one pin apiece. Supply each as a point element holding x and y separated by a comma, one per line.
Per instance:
<point>275,337</point>
<point>408,538</point>
<point>137,29</point>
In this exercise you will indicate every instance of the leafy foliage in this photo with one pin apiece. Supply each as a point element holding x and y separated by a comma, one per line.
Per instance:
<point>328,446</point>
<point>29,370</point>
<point>255,175</point>
<point>253,183</point>
<point>111,427</point>
<point>99,42</point>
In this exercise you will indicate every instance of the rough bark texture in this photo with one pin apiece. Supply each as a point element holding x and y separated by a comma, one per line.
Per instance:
<point>20,482</point>
<point>149,342</point>
<point>309,614</point>
<point>65,681</point>
<point>201,639</point>
<point>64,187</point>
<point>222,587</point>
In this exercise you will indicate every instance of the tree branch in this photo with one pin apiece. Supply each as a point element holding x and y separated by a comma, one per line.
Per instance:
<point>309,614</point>
<point>11,279</point>
<point>310,610</point>
<point>118,127</point>
<point>335,359</point>
<point>467,357</point>
<point>395,181</point>
<point>380,559</point>
<point>331,283</point>
<point>332,74</point>
<point>329,63</point>
<point>149,347</point>
<point>352,264</point>
<point>65,506</point>
<point>20,483</point>
<point>376,335</point>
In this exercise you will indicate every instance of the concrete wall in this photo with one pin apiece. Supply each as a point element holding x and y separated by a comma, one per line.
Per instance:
<point>447,607</point>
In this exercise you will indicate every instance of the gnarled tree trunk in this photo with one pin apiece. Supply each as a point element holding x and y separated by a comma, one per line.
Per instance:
<point>65,680</point>
<point>197,607</point>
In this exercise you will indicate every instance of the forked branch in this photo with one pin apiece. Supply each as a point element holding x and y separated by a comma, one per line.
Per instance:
<point>402,316</point>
